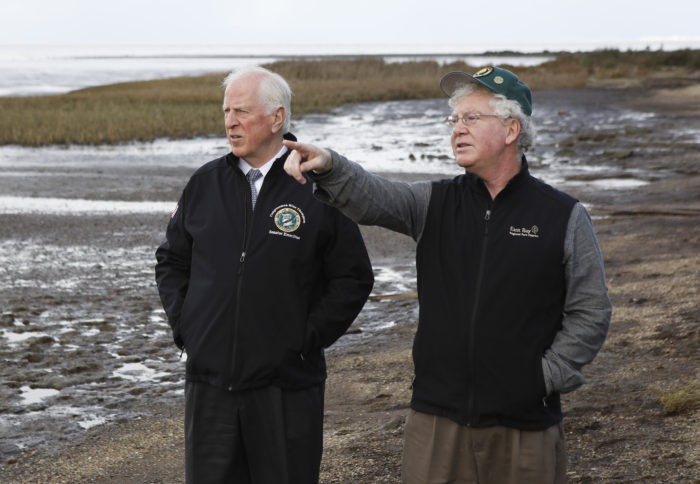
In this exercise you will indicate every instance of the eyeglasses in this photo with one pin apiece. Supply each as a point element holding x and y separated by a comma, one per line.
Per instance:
<point>468,119</point>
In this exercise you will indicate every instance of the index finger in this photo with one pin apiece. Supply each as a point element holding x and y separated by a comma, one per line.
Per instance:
<point>292,145</point>
<point>292,166</point>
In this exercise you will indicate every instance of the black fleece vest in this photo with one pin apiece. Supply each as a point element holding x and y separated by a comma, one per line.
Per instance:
<point>491,287</point>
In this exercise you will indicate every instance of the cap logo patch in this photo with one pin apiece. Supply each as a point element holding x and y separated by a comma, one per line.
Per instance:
<point>498,80</point>
<point>484,72</point>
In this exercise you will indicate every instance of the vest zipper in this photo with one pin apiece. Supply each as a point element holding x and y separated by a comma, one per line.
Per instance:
<point>472,324</point>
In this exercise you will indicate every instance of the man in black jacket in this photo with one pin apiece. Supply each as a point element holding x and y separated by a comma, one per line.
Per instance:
<point>257,277</point>
<point>512,292</point>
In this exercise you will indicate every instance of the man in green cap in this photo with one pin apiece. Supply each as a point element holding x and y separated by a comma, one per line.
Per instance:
<point>511,287</point>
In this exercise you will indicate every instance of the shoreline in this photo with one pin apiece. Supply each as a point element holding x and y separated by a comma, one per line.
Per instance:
<point>616,428</point>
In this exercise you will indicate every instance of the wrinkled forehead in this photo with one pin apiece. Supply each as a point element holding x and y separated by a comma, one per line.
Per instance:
<point>474,101</point>
<point>244,90</point>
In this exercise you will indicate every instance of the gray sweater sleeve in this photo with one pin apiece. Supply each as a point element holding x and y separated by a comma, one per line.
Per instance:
<point>369,199</point>
<point>587,308</point>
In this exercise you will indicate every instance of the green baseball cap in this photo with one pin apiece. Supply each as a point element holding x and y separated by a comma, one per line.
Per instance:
<point>496,79</point>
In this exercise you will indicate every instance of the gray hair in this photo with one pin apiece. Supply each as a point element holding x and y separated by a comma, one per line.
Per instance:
<point>273,90</point>
<point>505,108</point>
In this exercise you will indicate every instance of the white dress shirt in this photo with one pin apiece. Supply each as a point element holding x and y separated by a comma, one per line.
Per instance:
<point>245,168</point>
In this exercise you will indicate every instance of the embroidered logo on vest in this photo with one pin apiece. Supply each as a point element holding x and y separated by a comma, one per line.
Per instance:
<point>533,232</point>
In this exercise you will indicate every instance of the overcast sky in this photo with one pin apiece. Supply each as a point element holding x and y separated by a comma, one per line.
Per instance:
<point>458,23</point>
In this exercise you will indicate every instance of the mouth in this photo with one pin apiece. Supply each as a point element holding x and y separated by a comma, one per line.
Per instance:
<point>462,145</point>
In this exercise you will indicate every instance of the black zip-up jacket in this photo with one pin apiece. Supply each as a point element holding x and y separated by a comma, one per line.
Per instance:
<point>499,303</point>
<point>255,296</point>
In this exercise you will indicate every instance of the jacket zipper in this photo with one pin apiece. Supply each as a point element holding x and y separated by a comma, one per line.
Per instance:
<point>472,324</point>
<point>247,226</point>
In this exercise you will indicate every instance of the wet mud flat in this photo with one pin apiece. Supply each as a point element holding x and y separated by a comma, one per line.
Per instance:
<point>80,316</point>
<point>86,341</point>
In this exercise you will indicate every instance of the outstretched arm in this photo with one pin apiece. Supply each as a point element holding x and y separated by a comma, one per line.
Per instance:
<point>366,198</point>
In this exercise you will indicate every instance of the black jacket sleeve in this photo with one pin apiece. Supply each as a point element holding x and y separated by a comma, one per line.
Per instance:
<point>173,269</point>
<point>348,280</point>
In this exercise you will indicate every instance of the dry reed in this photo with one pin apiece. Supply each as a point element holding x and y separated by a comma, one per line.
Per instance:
<point>191,106</point>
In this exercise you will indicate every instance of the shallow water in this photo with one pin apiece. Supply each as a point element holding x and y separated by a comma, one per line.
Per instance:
<point>390,137</point>
<point>83,338</point>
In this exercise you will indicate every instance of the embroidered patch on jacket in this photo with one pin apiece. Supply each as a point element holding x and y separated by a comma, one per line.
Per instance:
<point>287,219</point>
<point>533,231</point>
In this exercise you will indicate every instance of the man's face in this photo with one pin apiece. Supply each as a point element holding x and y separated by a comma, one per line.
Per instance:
<point>483,144</point>
<point>251,132</point>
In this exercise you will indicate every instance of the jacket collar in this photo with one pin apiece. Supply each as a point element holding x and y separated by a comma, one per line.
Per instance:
<point>524,172</point>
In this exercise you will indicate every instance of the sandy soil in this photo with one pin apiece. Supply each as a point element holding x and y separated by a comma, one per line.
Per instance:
<point>617,430</point>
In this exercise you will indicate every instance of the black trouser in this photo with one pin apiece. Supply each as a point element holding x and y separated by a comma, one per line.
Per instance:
<point>264,436</point>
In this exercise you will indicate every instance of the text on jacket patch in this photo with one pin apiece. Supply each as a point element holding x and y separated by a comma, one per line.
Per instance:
<point>287,218</point>
<point>523,232</point>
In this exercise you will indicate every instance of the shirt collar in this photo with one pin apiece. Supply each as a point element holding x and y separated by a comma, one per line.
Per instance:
<point>245,167</point>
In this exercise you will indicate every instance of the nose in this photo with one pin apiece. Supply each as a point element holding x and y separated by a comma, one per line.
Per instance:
<point>230,119</point>
<point>460,127</point>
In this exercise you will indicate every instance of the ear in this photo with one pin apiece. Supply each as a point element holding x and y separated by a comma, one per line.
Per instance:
<point>279,114</point>
<point>513,130</point>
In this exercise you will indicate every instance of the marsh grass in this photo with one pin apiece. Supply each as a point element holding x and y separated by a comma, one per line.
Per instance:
<point>679,399</point>
<point>177,108</point>
<point>191,106</point>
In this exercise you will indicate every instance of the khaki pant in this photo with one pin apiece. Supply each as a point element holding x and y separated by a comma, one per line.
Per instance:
<point>440,451</point>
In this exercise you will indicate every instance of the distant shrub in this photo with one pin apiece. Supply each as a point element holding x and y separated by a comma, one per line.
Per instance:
<point>679,399</point>
<point>683,58</point>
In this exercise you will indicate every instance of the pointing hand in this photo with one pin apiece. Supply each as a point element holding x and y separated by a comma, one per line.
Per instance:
<point>304,158</point>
